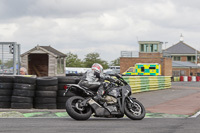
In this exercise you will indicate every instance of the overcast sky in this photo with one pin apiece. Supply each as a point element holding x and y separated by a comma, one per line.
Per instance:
<point>103,26</point>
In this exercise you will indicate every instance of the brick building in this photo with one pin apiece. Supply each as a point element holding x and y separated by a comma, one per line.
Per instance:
<point>183,68</point>
<point>177,60</point>
<point>185,59</point>
<point>183,52</point>
<point>149,52</point>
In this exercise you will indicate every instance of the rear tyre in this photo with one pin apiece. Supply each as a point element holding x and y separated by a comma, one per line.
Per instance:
<point>75,111</point>
<point>135,110</point>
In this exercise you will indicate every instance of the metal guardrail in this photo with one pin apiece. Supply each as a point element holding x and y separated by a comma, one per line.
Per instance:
<point>129,53</point>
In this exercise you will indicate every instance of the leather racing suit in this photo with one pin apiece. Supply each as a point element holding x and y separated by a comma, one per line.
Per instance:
<point>95,82</point>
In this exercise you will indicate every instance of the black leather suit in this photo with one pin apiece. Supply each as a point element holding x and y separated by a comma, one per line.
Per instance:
<point>95,82</point>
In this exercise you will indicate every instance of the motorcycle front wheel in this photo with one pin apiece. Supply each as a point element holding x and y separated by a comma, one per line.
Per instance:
<point>75,111</point>
<point>134,109</point>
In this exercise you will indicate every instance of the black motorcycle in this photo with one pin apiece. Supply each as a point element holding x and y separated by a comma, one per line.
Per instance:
<point>117,102</point>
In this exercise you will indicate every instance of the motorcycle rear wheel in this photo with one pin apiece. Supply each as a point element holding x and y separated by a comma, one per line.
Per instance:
<point>75,111</point>
<point>135,110</point>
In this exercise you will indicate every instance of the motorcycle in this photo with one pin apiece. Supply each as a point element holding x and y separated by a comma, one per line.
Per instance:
<point>117,102</point>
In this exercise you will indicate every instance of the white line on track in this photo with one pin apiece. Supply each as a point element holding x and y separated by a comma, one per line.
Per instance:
<point>195,115</point>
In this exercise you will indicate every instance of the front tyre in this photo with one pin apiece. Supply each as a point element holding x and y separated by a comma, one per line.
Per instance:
<point>134,109</point>
<point>75,111</point>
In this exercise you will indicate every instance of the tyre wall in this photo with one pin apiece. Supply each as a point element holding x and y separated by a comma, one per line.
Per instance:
<point>6,89</point>
<point>61,100</point>
<point>47,92</point>
<point>23,92</point>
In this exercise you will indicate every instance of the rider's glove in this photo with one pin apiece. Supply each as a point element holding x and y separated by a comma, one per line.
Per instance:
<point>117,82</point>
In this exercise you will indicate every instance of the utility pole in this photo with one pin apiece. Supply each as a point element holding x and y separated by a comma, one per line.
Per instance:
<point>196,57</point>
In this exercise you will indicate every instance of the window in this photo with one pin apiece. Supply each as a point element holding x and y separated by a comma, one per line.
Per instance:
<point>151,47</point>
<point>182,73</point>
<point>130,70</point>
<point>155,48</point>
<point>142,69</point>
<point>176,58</point>
<point>152,67</point>
<point>60,65</point>
<point>114,67</point>
<point>191,58</point>
<point>142,47</point>
<point>176,73</point>
<point>117,67</point>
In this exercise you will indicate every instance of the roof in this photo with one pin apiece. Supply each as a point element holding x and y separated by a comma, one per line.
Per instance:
<point>181,48</point>
<point>45,49</point>
<point>184,64</point>
<point>56,52</point>
<point>150,42</point>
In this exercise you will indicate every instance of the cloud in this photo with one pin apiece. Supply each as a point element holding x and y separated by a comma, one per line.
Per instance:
<point>104,26</point>
<point>8,30</point>
<point>107,51</point>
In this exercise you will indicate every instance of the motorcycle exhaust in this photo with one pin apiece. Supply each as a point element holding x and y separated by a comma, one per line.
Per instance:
<point>99,110</point>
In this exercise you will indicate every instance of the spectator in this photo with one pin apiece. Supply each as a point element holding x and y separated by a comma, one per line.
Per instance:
<point>23,71</point>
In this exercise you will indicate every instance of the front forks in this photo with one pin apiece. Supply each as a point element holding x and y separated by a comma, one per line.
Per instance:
<point>130,99</point>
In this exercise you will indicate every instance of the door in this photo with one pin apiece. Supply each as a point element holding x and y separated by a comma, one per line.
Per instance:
<point>38,64</point>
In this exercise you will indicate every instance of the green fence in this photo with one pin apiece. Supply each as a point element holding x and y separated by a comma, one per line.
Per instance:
<point>148,83</point>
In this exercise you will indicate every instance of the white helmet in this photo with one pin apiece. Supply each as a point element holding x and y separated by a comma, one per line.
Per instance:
<point>97,68</point>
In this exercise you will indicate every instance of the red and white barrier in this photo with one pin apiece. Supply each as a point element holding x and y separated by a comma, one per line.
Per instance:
<point>187,78</point>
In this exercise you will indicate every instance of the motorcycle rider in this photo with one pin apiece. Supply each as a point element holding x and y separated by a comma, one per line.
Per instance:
<point>94,78</point>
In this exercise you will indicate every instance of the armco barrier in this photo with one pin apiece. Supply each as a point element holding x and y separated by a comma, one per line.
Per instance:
<point>148,83</point>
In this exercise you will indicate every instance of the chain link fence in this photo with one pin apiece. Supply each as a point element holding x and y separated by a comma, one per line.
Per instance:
<point>9,58</point>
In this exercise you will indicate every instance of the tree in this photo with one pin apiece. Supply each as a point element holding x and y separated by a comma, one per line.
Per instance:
<point>92,58</point>
<point>115,62</point>
<point>72,60</point>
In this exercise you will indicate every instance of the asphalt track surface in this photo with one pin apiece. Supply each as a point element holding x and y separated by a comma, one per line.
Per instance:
<point>181,101</point>
<point>183,98</point>
<point>95,125</point>
<point>154,99</point>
